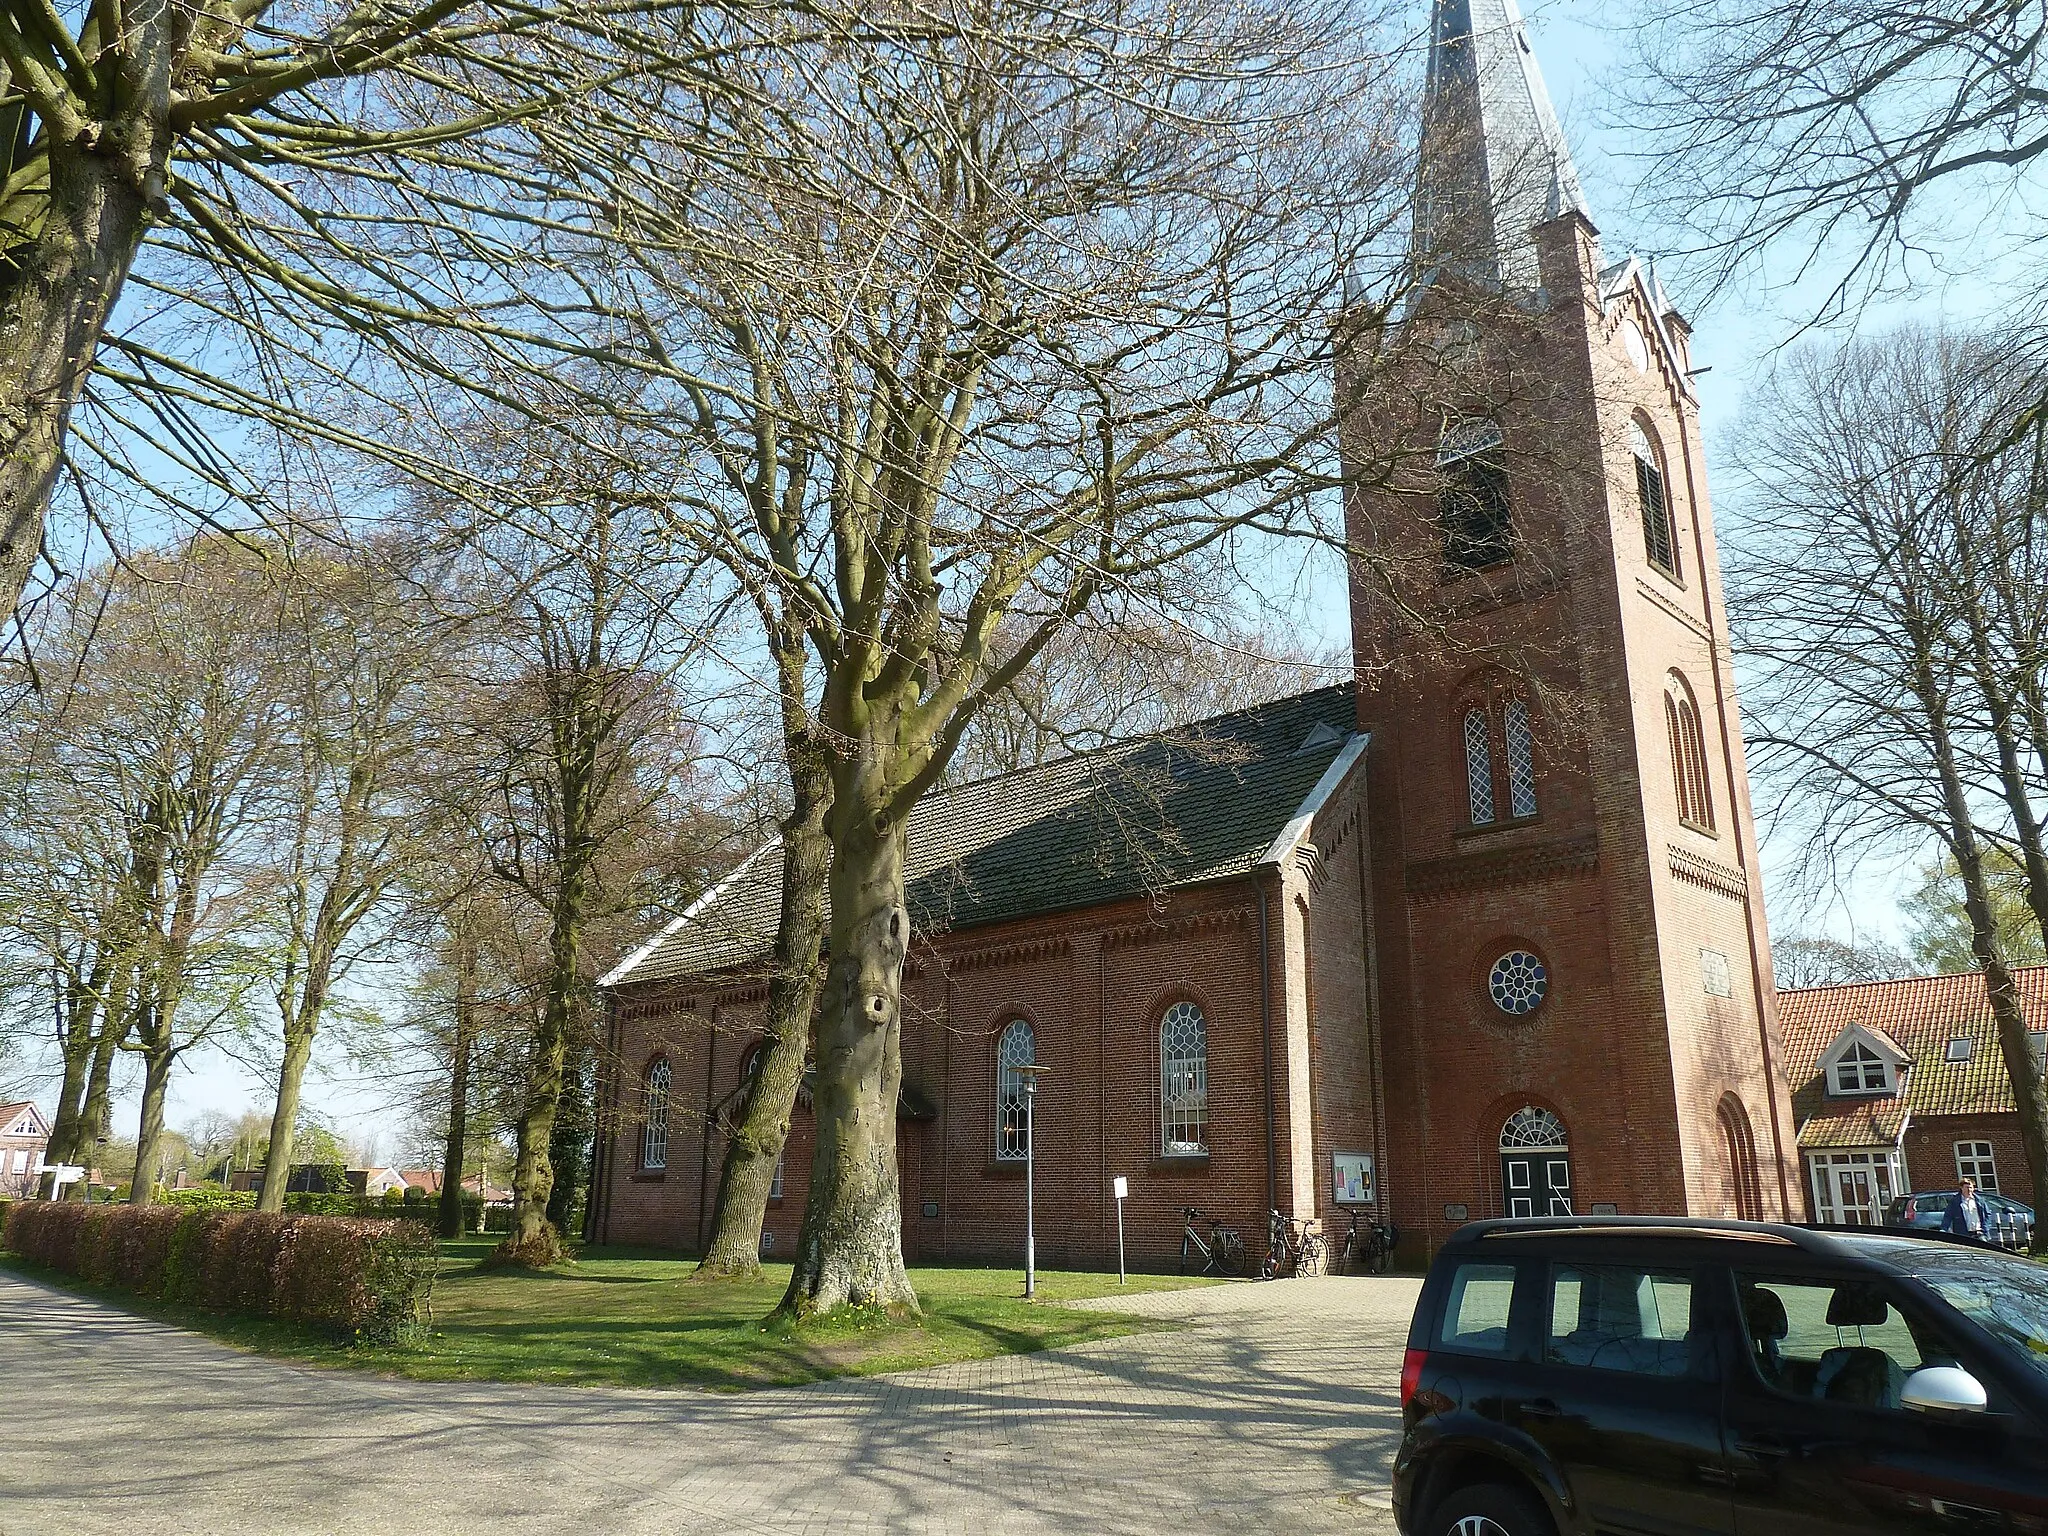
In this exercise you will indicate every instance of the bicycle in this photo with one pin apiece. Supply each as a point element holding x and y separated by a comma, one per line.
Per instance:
<point>1293,1246</point>
<point>1374,1249</point>
<point>1222,1252</point>
<point>1379,1251</point>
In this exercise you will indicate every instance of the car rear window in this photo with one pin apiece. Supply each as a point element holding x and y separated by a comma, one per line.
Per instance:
<point>1476,1312</point>
<point>1620,1318</point>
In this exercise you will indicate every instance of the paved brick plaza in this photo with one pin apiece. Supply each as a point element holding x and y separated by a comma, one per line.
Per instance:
<point>1272,1408</point>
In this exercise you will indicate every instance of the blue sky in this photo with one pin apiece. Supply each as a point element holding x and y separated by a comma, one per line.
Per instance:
<point>1738,335</point>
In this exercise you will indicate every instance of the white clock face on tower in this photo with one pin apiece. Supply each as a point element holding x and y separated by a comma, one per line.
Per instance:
<point>1634,345</point>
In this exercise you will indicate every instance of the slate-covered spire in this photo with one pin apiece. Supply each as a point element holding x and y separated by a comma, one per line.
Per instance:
<point>1494,162</point>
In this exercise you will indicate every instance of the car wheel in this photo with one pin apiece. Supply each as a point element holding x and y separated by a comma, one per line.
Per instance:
<point>1490,1509</point>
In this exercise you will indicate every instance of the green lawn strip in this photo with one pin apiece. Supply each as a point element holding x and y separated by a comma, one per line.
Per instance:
<point>630,1317</point>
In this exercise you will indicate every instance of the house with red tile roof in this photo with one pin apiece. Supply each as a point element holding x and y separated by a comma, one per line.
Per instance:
<point>24,1135</point>
<point>1899,1085</point>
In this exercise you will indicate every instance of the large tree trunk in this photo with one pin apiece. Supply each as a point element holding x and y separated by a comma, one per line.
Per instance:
<point>97,1114</point>
<point>52,314</point>
<point>157,1058</point>
<point>75,1046</point>
<point>762,1123</point>
<point>850,1250</point>
<point>532,1241</point>
<point>2006,1014</point>
<point>454,1153</point>
<point>569,1137</point>
<point>284,1118</point>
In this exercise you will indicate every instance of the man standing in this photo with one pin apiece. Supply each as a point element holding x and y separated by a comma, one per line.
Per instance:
<point>1965,1214</point>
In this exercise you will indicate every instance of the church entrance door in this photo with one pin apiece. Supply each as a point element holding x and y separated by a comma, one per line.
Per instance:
<point>1535,1164</point>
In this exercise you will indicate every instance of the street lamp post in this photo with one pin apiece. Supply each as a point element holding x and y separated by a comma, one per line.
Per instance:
<point>1031,1074</point>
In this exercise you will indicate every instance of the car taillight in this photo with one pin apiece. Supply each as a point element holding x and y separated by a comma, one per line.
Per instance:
<point>1411,1373</point>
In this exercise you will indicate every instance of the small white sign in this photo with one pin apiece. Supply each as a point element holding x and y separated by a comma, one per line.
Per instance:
<point>1121,1186</point>
<point>1714,977</point>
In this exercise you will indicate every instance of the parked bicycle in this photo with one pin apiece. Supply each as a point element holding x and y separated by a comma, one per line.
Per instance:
<point>1370,1247</point>
<point>1292,1247</point>
<point>1221,1252</point>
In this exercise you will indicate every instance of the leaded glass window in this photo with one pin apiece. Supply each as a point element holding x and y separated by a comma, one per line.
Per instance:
<point>1521,743</point>
<point>1479,766</point>
<point>1018,1047</point>
<point>1183,1081</point>
<point>654,1124</point>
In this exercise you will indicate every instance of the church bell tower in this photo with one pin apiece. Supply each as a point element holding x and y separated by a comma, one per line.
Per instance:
<point>1572,972</point>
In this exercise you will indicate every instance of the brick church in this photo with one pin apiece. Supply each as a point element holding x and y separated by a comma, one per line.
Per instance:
<point>1480,933</point>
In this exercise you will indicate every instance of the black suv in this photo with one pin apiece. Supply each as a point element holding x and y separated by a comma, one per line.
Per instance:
<point>1637,1374</point>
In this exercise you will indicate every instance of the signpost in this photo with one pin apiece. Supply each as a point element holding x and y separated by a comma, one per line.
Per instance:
<point>1121,1186</point>
<point>60,1175</point>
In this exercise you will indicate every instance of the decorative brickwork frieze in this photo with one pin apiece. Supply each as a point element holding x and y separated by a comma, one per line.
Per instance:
<point>1708,874</point>
<point>1517,865</point>
<point>1015,953</point>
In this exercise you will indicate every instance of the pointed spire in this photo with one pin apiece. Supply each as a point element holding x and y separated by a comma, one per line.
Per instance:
<point>1494,162</point>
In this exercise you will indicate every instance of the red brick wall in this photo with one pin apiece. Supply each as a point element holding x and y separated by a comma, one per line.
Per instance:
<point>1094,986</point>
<point>1627,1049</point>
<point>1931,1152</point>
<point>23,1183</point>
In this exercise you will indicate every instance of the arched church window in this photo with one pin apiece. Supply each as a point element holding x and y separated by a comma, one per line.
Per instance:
<point>1532,1126</point>
<point>1183,1082</point>
<point>1479,766</point>
<point>1660,539</point>
<point>1017,1047</point>
<point>1688,756</point>
<point>1472,505</point>
<point>654,1119</point>
<point>1521,745</point>
<point>1498,738</point>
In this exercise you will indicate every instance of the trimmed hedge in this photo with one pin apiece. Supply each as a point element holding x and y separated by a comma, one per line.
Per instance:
<point>366,1207</point>
<point>370,1279</point>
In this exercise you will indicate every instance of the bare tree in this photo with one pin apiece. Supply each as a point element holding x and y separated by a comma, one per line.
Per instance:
<point>301,204</point>
<point>353,653</point>
<point>1861,634</point>
<point>995,319</point>
<point>1814,960</point>
<point>1095,683</point>
<point>144,780</point>
<point>572,748</point>
<point>1857,134</point>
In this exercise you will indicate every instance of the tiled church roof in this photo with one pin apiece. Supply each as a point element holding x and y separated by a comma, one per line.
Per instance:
<point>1200,803</point>
<point>1920,1014</point>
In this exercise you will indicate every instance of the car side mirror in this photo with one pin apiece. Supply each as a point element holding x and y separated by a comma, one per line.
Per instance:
<point>1943,1389</point>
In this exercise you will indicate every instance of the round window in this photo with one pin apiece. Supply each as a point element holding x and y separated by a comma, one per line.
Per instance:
<point>1635,345</point>
<point>1518,982</point>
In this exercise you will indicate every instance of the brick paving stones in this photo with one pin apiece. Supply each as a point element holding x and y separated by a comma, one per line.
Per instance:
<point>1265,1408</point>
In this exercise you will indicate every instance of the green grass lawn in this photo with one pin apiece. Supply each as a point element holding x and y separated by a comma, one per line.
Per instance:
<point>630,1317</point>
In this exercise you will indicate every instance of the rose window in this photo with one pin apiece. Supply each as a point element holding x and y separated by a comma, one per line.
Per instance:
<point>1518,982</point>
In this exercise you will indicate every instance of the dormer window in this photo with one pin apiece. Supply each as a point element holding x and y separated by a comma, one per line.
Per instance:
<point>1859,1070</point>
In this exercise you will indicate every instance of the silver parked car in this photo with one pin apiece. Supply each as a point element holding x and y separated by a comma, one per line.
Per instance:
<point>2011,1224</point>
